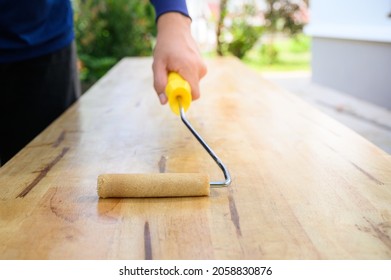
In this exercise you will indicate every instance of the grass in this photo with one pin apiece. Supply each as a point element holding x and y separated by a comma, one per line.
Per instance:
<point>293,55</point>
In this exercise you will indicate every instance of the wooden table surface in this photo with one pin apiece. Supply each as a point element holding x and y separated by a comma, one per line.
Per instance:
<point>304,186</point>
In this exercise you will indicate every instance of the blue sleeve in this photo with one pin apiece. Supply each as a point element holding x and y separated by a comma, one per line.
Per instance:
<point>165,6</point>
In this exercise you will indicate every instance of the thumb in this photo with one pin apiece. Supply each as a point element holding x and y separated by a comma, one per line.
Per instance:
<point>160,80</point>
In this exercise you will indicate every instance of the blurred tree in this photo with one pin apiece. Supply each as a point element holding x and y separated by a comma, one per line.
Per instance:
<point>285,16</point>
<point>108,30</point>
<point>244,34</point>
<point>282,16</point>
<point>240,34</point>
<point>220,26</point>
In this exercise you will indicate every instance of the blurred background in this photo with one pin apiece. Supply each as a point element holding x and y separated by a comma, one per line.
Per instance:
<point>265,34</point>
<point>334,54</point>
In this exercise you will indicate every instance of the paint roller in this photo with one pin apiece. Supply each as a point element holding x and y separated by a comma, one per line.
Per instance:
<point>179,97</point>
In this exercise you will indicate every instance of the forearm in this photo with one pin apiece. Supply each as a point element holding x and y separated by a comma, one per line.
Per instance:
<point>175,48</point>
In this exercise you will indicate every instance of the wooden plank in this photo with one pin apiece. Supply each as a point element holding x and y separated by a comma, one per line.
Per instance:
<point>304,186</point>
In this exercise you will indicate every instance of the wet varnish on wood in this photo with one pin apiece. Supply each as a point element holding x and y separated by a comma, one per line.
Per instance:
<point>304,186</point>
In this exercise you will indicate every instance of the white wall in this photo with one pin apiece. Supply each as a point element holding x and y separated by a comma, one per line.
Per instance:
<point>351,47</point>
<point>350,19</point>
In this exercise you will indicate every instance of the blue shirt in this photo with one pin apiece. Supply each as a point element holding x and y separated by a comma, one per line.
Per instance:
<point>164,6</point>
<point>31,28</point>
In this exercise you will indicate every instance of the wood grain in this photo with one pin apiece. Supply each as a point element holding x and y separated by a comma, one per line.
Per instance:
<point>304,186</point>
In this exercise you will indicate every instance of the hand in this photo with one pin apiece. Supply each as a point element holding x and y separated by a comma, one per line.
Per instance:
<point>176,51</point>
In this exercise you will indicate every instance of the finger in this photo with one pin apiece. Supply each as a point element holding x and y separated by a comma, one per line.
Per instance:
<point>160,80</point>
<point>203,70</point>
<point>195,84</point>
<point>194,80</point>
<point>196,91</point>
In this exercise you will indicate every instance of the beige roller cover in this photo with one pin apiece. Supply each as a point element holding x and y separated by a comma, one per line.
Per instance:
<point>153,185</point>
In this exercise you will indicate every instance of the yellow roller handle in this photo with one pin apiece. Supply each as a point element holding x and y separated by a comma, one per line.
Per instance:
<point>177,87</point>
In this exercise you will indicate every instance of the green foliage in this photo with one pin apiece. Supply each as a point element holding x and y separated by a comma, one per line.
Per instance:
<point>269,54</point>
<point>294,47</point>
<point>284,16</point>
<point>286,54</point>
<point>94,67</point>
<point>238,31</point>
<point>108,30</point>
<point>300,43</point>
<point>244,35</point>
